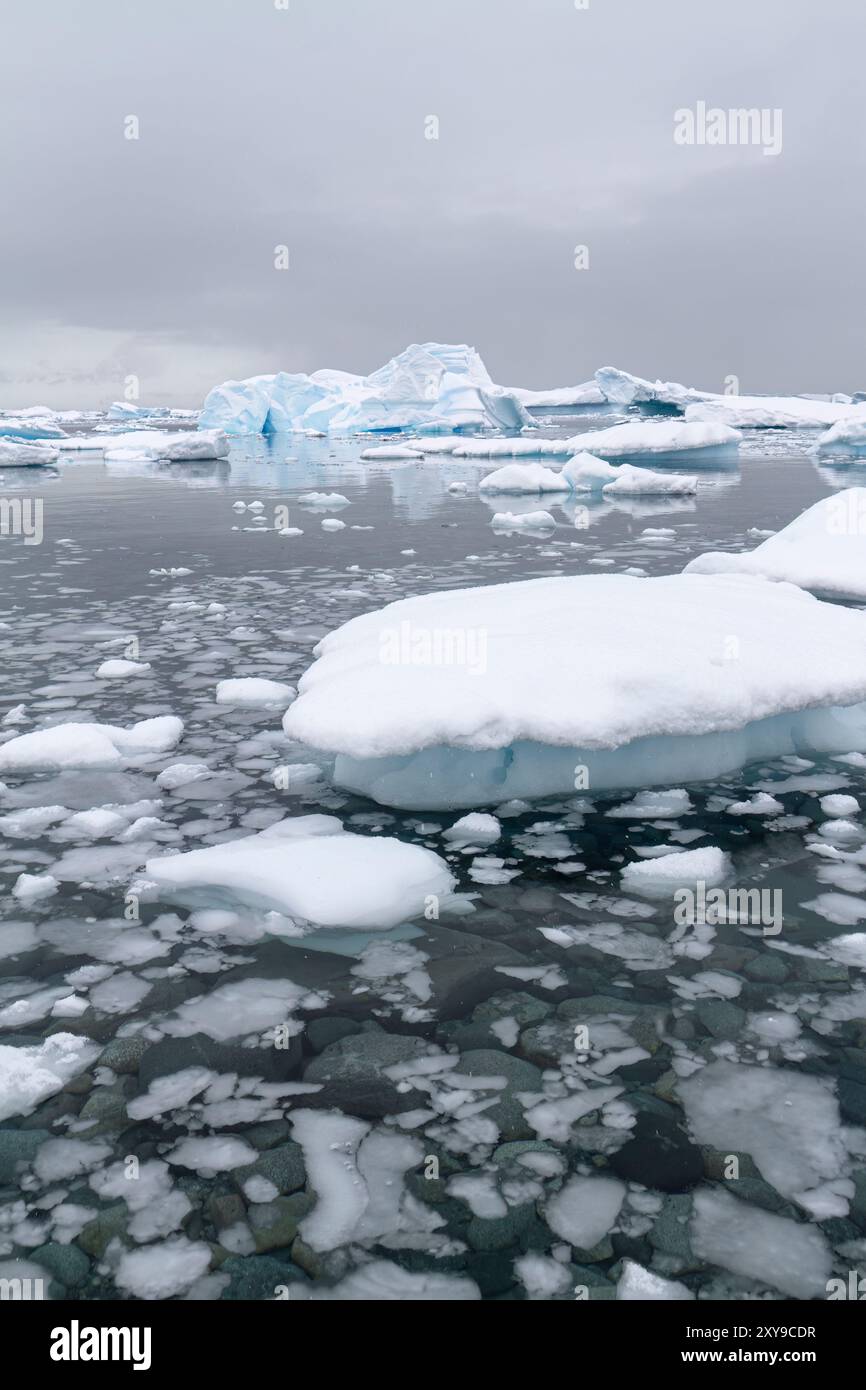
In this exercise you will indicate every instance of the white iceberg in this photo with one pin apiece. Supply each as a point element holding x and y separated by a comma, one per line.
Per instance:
<point>312,869</point>
<point>823,549</point>
<point>471,697</point>
<point>522,521</point>
<point>519,478</point>
<point>848,437</point>
<point>433,386</point>
<point>65,746</point>
<point>24,425</point>
<point>586,473</point>
<point>16,455</point>
<point>667,437</point>
<point>179,446</point>
<point>621,388</point>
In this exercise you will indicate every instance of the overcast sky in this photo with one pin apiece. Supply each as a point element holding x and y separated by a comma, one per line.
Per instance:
<point>306,126</point>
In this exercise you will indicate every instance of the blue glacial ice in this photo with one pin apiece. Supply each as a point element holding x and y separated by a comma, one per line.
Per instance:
<point>430,386</point>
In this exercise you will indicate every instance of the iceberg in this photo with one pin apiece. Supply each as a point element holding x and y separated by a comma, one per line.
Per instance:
<point>178,447</point>
<point>472,697</point>
<point>523,521</point>
<point>823,550</point>
<point>586,473</point>
<point>433,386</point>
<point>846,437</point>
<point>518,478</point>
<point>561,397</point>
<point>15,455</point>
<point>621,388</point>
<point>668,437</point>
<point>310,868</point>
<point>26,425</point>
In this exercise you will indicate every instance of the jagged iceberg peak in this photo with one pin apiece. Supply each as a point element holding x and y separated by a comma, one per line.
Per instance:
<point>823,550</point>
<point>432,386</point>
<point>532,689</point>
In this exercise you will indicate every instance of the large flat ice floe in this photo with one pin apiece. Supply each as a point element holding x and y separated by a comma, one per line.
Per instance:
<point>14,454</point>
<point>663,438</point>
<point>823,550</point>
<point>309,868</point>
<point>137,446</point>
<point>429,386</point>
<point>657,437</point>
<point>473,696</point>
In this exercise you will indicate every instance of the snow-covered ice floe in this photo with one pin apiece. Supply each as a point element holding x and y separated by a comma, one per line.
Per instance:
<point>29,1074</point>
<point>823,549</point>
<point>586,473</point>
<point>66,746</point>
<point>17,455</point>
<point>474,696</point>
<point>428,386</point>
<point>137,446</point>
<point>30,424</point>
<point>847,438</point>
<point>662,438</point>
<point>312,869</point>
<point>657,437</point>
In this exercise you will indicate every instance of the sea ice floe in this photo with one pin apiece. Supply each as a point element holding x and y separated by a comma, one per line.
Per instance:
<point>29,1075</point>
<point>163,1270</point>
<point>252,690</point>
<point>118,669</point>
<point>523,521</point>
<point>823,550</point>
<point>176,446</point>
<point>312,869</point>
<point>656,437</point>
<point>847,437</point>
<point>587,473</point>
<point>520,478</point>
<point>585,1210</point>
<point>788,1122</point>
<point>19,455</point>
<point>671,680</point>
<point>663,876</point>
<point>64,746</point>
<point>638,1283</point>
<point>773,1250</point>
